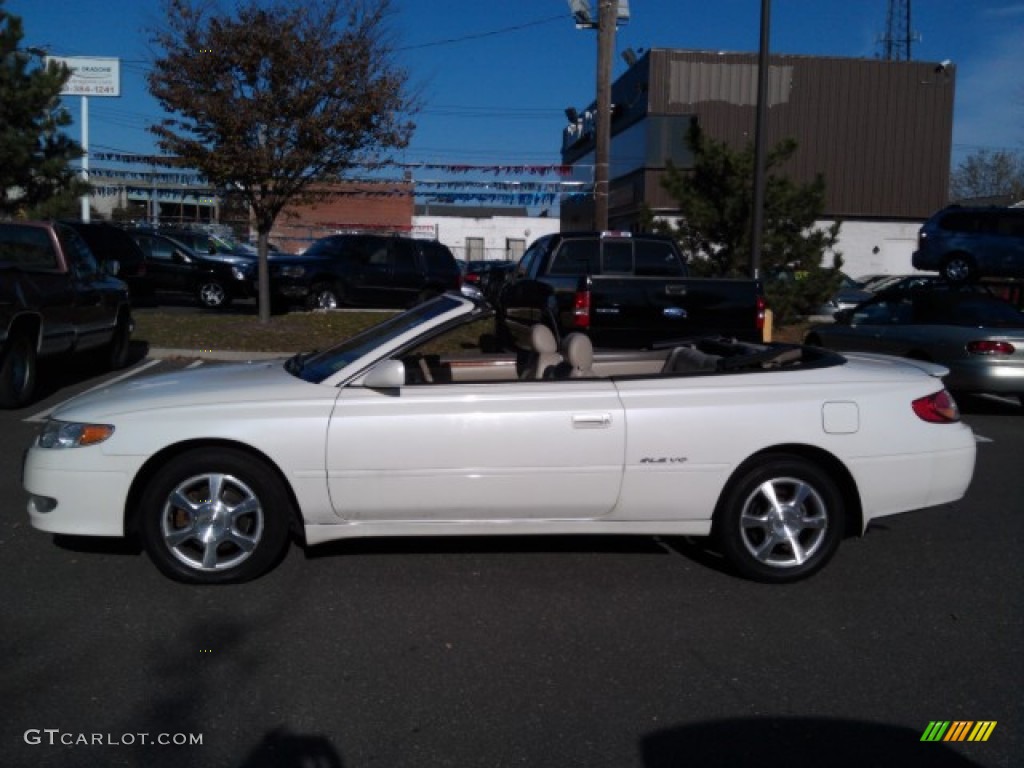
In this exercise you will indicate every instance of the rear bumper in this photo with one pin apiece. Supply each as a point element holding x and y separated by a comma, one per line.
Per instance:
<point>944,477</point>
<point>981,375</point>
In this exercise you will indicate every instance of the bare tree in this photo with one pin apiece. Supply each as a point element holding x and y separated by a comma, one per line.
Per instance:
<point>987,173</point>
<point>278,99</point>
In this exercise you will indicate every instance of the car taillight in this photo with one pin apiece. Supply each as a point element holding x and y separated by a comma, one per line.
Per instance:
<point>472,277</point>
<point>990,348</point>
<point>581,309</point>
<point>938,408</point>
<point>762,307</point>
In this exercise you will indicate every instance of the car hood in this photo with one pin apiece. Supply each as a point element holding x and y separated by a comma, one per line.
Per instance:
<point>218,384</point>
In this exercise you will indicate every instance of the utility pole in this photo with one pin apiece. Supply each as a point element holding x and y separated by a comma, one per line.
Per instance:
<point>760,141</point>
<point>607,16</point>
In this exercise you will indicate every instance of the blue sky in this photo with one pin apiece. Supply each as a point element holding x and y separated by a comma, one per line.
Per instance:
<point>495,78</point>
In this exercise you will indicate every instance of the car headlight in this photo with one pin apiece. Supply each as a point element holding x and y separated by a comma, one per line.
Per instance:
<point>238,273</point>
<point>72,434</point>
<point>294,271</point>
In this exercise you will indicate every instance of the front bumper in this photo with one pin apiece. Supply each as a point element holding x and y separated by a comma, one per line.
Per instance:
<point>78,491</point>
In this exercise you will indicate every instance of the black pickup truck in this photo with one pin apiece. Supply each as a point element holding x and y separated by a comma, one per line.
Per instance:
<point>625,290</point>
<point>55,299</point>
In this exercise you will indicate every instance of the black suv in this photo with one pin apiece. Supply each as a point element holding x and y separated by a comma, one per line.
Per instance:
<point>211,246</point>
<point>174,267</point>
<point>967,243</point>
<point>364,270</point>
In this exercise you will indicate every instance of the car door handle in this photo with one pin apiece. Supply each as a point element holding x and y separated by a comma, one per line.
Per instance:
<point>591,420</point>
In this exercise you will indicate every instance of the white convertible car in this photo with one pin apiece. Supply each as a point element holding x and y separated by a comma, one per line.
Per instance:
<point>425,425</point>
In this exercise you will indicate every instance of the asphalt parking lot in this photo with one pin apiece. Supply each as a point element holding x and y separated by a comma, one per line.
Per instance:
<point>522,651</point>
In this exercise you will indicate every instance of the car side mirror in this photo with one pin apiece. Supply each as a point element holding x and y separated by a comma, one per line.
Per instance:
<point>843,316</point>
<point>389,374</point>
<point>180,257</point>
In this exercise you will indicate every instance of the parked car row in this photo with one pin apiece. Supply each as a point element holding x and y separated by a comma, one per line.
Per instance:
<point>969,328</point>
<point>335,271</point>
<point>157,262</point>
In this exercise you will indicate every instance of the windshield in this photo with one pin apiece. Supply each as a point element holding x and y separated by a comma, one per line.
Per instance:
<point>317,366</point>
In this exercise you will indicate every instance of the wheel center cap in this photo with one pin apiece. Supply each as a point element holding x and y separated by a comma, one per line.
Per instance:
<point>212,520</point>
<point>784,519</point>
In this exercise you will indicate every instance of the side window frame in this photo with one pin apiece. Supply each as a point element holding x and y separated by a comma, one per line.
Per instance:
<point>81,261</point>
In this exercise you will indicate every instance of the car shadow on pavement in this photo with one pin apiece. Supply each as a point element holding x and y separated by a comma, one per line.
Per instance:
<point>456,545</point>
<point>282,749</point>
<point>98,545</point>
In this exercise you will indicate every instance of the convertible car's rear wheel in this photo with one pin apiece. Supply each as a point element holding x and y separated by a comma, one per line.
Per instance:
<point>214,516</point>
<point>782,519</point>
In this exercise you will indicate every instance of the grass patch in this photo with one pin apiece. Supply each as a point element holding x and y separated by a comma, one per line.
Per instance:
<point>294,332</point>
<point>289,333</point>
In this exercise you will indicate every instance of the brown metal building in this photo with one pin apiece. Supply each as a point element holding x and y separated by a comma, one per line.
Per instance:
<point>879,131</point>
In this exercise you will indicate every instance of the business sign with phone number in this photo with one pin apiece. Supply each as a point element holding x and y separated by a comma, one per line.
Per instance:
<point>90,76</point>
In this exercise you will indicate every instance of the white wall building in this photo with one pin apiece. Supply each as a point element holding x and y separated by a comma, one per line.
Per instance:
<point>877,247</point>
<point>488,236</point>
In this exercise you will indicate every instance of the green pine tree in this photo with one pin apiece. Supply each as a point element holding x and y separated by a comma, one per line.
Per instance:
<point>715,199</point>
<point>35,156</point>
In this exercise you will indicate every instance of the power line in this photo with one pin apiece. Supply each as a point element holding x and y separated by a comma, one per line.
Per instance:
<point>482,35</point>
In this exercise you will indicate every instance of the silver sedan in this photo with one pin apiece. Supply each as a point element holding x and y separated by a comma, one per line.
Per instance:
<point>980,338</point>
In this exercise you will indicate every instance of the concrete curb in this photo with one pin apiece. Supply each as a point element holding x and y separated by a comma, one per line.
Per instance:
<point>215,354</point>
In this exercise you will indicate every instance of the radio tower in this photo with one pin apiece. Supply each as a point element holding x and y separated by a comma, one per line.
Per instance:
<point>898,37</point>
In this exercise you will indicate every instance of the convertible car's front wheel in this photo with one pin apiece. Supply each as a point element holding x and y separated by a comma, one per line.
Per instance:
<point>214,516</point>
<point>781,521</point>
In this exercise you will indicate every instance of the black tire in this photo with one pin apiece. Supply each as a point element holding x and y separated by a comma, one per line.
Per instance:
<point>17,371</point>
<point>194,538</point>
<point>212,294</point>
<point>781,520</point>
<point>959,268</point>
<point>115,353</point>
<point>325,295</point>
